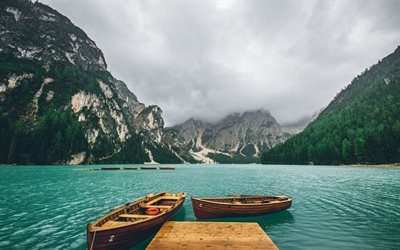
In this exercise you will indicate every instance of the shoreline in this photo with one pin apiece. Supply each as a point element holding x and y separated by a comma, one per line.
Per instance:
<point>386,165</point>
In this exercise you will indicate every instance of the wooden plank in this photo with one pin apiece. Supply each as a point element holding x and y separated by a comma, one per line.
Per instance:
<point>163,198</point>
<point>112,224</point>
<point>158,206</point>
<point>211,235</point>
<point>135,216</point>
<point>169,198</point>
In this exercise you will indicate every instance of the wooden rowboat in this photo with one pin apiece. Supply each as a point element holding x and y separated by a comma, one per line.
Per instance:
<point>167,168</point>
<point>236,206</point>
<point>133,222</point>
<point>110,168</point>
<point>129,168</point>
<point>148,168</point>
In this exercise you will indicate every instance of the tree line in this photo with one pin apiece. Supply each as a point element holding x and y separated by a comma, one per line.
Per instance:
<point>361,125</point>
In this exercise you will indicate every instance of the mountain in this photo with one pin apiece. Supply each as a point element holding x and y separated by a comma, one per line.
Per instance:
<point>237,138</point>
<point>360,125</point>
<point>299,125</point>
<point>58,102</point>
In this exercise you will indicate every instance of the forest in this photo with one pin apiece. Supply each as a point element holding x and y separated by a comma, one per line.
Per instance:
<point>361,125</point>
<point>51,133</point>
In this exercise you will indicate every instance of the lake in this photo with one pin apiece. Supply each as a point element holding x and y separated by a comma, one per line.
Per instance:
<point>334,207</point>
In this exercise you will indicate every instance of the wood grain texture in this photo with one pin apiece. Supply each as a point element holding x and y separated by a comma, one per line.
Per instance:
<point>206,208</point>
<point>109,232</point>
<point>211,235</point>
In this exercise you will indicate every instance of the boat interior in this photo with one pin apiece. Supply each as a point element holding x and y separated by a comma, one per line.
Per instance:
<point>247,199</point>
<point>138,211</point>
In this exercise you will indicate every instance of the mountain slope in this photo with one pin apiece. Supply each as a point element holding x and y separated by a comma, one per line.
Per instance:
<point>361,124</point>
<point>59,104</point>
<point>236,138</point>
<point>296,127</point>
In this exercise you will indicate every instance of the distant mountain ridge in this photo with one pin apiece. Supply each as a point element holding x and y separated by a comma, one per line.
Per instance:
<point>237,137</point>
<point>60,105</point>
<point>296,127</point>
<point>360,125</point>
<point>58,102</point>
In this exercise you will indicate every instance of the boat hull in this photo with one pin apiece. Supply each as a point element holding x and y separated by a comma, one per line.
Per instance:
<point>127,237</point>
<point>204,209</point>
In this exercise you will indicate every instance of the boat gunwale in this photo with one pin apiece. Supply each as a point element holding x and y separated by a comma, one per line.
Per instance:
<point>240,204</point>
<point>136,202</point>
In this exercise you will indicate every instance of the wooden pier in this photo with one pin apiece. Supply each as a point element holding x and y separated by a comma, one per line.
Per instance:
<point>211,235</point>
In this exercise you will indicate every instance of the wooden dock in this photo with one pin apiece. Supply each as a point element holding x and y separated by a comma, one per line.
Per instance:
<point>211,235</point>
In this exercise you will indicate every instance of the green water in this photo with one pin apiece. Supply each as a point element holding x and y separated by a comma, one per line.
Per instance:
<point>47,207</point>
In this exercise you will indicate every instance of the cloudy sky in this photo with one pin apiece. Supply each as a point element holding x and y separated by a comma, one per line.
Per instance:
<point>205,59</point>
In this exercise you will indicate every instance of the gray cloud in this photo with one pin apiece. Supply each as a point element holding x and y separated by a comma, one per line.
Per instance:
<point>205,59</point>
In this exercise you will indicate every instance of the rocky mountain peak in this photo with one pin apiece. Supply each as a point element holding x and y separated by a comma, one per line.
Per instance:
<point>241,134</point>
<point>37,32</point>
<point>54,78</point>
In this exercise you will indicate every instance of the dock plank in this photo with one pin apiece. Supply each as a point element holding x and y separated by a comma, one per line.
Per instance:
<point>211,235</point>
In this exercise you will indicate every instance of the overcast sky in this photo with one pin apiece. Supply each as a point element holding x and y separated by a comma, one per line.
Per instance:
<point>205,59</point>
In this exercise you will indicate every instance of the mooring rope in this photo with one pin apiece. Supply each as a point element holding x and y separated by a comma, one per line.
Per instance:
<point>94,236</point>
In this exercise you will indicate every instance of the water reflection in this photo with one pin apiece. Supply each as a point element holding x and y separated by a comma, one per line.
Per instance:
<point>351,208</point>
<point>180,216</point>
<point>265,221</point>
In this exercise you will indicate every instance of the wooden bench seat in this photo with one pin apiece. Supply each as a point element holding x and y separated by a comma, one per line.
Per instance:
<point>111,224</point>
<point>164,198</point>
<point>135,216</point>
<point>170,198</point>
<point>158,206</point>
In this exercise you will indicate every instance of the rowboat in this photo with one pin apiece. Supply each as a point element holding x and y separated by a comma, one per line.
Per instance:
<point>148,168</point>
<point>129,168</point>
<point>238,206</point>
<point>167,168</point>
<point>110,168</point>
<point>133,222</point>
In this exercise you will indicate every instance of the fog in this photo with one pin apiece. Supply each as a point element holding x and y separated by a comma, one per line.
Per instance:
<point>206,59</point>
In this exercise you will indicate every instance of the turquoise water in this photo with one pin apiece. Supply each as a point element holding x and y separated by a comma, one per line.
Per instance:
<point>48,207</point>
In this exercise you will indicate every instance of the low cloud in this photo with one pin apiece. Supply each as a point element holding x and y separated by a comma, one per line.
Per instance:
<point>205,59</point>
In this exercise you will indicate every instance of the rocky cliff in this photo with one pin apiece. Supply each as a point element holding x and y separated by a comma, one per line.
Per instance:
<point>236,138</point>
<point>58,102</point>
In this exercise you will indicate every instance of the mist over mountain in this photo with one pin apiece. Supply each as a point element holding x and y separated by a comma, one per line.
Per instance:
<point>238,137</point>
<point>297,126</point>
<point>59,104</point>
<point>360,125</point>
<point>208,59</point>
